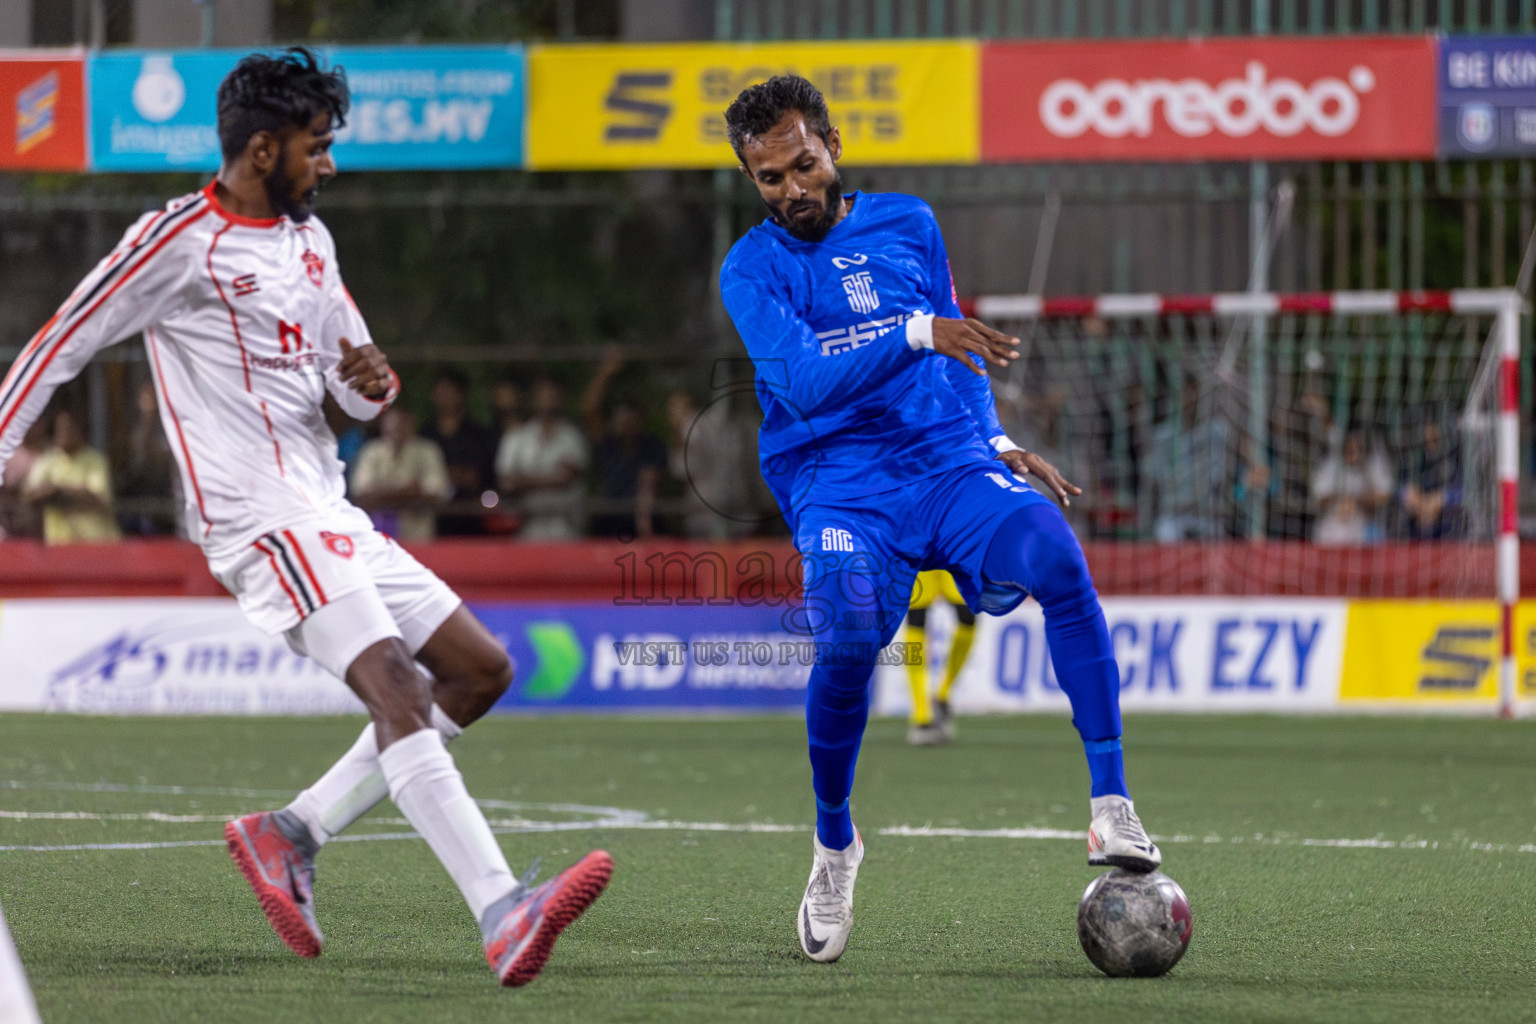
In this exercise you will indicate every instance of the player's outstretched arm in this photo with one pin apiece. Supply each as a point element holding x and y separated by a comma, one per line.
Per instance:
<point>788,354</point>
<point>974,389</point>
<point>139,279</point>
<point>357,374</point>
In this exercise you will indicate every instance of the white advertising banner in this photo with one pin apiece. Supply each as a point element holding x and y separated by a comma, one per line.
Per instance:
<point>1175,654</point>
<point>200,656</point>
<point>193,656</point>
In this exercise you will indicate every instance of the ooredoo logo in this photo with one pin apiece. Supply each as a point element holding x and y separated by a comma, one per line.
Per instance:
<point>1234,107</point>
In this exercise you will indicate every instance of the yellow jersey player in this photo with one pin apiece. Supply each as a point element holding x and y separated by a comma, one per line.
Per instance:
<point>931,722</point>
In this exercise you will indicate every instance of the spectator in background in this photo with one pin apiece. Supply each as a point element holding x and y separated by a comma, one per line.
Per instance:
<point>706,456</point>
<point>70,482</point>
<point>540,465</point>
<point>150,473</point>
<point>629,460</point>
<point>17,517</point>
<point>1431,487</point>
<point>401,479</point>
<point>507,406</point>
<point>1186,468</point>
<point>1299,434</point>
<point>1255,491</point>
<point>350,435</point>
<point>1348,491</point>
<point>468,448</point>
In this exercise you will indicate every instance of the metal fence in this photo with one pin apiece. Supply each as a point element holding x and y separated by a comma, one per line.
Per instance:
<point>548,268</point>
<point>1109,19</point>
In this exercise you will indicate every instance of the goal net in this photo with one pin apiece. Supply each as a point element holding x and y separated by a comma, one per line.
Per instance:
<point>1343,444</point>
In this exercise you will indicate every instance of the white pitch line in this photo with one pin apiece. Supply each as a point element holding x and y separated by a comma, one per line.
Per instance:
<point>129,787</point>
<point>985,833</point>
<point>636,821</point>
<point>174,819</point>
<point>500,828</point>
<point>1377,843</point>
<point>619,818</point>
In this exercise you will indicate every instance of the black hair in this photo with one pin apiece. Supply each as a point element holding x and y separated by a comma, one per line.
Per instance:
<point>267,92</point>
<point>761,106</point>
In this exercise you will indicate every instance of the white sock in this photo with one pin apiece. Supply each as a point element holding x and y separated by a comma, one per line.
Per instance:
<point>352,786</point>
<point>426,785</point>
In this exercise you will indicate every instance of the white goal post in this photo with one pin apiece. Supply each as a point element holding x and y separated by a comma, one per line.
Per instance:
<point>1234,329</point>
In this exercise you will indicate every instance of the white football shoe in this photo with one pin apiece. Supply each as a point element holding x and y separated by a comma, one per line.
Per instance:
<point>1115,836</point>
<point>826,912</point>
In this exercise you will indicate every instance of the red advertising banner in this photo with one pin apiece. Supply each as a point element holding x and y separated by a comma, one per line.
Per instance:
<point>42,111</point>
<point>1361,97</point>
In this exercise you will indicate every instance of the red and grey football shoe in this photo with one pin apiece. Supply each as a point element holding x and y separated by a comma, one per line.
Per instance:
<point>519,936</point>
<point>276,854</point>
<point>1115,836</point>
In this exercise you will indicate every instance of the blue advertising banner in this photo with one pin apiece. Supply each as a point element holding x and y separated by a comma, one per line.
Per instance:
<point>1487,96</point>
<point>413,108</point>
<point>432,108</point>
<point>597,657</point>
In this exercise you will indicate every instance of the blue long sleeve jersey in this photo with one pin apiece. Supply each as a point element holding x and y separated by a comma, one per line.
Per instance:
<point>850,407</point>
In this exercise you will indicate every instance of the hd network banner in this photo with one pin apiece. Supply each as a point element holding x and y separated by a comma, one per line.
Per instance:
<point>200,656</point>
<point>1357,98</point>
<point>418,108</point>
<point>610,107</point>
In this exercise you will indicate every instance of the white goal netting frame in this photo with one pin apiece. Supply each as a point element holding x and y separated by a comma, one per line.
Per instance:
<point>1221,434</point>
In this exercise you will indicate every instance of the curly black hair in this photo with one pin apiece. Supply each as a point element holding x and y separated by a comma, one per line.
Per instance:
<point>266,92</point>
<point>761,106</point>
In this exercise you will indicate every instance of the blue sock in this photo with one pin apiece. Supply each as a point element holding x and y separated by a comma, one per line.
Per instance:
<point>834,825</point>
<point>1035,551</point>
<point>1106,767</point>
<point>836,709</point>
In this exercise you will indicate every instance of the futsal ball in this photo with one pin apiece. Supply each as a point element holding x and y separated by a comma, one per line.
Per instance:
<point>1134,925</point>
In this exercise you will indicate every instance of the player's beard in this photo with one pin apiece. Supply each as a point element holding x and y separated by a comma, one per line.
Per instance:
<point>815,230</point>
<point>280,194</point>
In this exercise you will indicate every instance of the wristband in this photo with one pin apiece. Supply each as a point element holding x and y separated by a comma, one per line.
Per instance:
<point>1003,445</point>
<point>920,331</point>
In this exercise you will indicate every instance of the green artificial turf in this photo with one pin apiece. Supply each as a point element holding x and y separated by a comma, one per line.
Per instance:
<point>698,924</point>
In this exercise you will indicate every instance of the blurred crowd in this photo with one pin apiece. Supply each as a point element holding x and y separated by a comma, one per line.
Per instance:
<point>1191,473</point>
<point>543,469</point>
<point>548,466</point>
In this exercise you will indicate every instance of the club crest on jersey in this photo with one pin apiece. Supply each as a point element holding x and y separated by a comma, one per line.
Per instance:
<point>835,539</point>
<point>314,266</point>
<point>858,259</point>
<point>338,543</point>
<point>861,292</point>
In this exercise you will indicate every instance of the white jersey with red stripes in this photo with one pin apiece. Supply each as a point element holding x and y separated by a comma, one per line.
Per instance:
<point>242,322</point>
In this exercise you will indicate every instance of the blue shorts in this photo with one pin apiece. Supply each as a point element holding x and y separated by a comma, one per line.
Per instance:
<point>861,556</point>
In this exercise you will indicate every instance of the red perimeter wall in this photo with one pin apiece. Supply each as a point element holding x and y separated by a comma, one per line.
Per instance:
<point>609,571</point>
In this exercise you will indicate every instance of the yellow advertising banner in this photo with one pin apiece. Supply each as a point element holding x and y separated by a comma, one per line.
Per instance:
<point>1433,652</point>
<point>630,106</point>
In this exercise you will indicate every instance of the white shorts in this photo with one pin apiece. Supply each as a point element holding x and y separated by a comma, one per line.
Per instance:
<point>286,576</point>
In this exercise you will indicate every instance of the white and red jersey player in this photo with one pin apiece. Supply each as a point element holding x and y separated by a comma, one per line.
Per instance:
<point>244,323</point>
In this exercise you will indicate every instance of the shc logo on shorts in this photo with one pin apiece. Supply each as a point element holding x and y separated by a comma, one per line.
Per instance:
<point>834,539</point>
<point>338,543</point>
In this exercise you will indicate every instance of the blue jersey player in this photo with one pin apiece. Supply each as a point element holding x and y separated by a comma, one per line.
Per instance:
<point>881,443</point>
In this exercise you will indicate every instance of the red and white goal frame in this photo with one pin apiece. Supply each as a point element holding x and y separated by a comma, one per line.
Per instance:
<point>1504,305</point>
